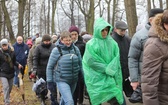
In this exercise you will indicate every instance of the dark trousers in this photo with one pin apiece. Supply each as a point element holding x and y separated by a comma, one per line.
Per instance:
<point>53,95</point>
<point>78,94</point>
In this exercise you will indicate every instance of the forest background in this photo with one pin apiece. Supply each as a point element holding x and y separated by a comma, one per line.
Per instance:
<point>28,17</point>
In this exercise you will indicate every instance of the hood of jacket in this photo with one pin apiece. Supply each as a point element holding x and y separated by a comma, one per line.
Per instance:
<point>158,30</point>
<point>99,25</point>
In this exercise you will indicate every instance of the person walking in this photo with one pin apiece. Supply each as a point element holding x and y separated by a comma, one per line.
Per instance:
<point>155,58</point>
<point>40,60</point>
<point>64,66</point>
<point>101,66</point>
<point>7,63</point>
<point>123,40</point>
<point>30,58</point>
<point>21,51</point>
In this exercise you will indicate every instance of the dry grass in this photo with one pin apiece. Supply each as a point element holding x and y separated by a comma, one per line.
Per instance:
<point>16,96</point>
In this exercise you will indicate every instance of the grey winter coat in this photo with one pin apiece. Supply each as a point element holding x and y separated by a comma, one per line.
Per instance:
<point>136,53</point>
<point>68,65</point>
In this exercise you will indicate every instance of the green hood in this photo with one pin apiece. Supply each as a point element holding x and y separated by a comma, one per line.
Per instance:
<point>100,24</point>
<point>101,65</point>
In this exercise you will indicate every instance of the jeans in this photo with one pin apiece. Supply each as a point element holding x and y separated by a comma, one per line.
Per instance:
<point>66,91</point>
<point>16,79</point>
<point>7,87</point>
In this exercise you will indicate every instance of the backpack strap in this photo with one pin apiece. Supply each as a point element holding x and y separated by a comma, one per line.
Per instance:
<point>59,49</point>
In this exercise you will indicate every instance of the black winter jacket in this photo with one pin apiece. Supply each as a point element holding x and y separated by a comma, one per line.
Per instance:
<point>6,68</point>
<point>123,44</point>
<point>40,58</point>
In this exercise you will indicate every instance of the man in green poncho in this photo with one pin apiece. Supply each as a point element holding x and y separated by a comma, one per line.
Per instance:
<point>101,65</point>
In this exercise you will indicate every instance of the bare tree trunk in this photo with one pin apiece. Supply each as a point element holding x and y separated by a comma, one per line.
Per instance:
<point>45,20</point>
<point>153,3</point>
<point>22,4</point>
<point>48,18</point>
<point>114,11</point>
<point>131,15</point>
<point>166,4</point>
<point>72,13</point>
<point>161,3</point>
<point>29,18</point>
<point>4,28</point>
<point>54,4</point>
<point>8,21</point>
<point>89,16</point>
<point>1,23</point>
<point>149,6</point>
<point>108,10</point>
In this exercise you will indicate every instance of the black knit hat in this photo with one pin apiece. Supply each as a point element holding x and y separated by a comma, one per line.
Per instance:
<point>155,11</point>
<point>46,38</point>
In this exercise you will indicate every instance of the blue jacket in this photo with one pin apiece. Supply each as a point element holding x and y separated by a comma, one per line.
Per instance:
<point>21,52</point>
<point>68,65</point>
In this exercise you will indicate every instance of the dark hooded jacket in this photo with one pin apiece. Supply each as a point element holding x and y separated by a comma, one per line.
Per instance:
<point>155,65</point>
<point>7,62</point>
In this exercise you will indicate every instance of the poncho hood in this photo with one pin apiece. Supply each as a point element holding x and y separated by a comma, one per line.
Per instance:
<point>100,24</point>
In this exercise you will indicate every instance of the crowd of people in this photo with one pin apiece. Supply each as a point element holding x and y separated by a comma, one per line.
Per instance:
<point>107,65</point>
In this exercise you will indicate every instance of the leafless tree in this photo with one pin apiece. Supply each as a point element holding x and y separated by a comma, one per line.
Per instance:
<point>54,5</point>
<point>131,16</point>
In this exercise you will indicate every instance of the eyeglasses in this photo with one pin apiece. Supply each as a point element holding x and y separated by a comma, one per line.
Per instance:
<point>122,30</point>
<point>67,40</point>
<point>104,30</point>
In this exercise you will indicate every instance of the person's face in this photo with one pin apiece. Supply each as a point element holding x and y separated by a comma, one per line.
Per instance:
<point>104,32</point>
<point>5,47</point>
<point>19,39</point>
<point>74,36</point>
<point>166,26</point>
<point>66,41</point>
<point>47,42</point>
<point>121,32</point>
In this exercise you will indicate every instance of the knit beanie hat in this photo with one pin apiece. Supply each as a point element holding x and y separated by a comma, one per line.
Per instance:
<point>29,42</point>
<point>4,41</point>
<point>74,28</point>
<point>38,40</point>
<point>155,11</point>
<point>46,38</point>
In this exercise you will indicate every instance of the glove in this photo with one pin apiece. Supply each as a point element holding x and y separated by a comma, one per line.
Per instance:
<point>32,75</point>
<point>51,86</point>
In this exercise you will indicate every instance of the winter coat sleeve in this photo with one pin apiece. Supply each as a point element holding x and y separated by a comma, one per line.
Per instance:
<point>14,60</point>
<point>54,57</point>
<point>133,58</point>
<point>30,60</point>
<point>36,58</point>
<point>80,60</point>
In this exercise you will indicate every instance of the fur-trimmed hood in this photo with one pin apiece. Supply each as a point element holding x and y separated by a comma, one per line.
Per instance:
<point>157,29</point>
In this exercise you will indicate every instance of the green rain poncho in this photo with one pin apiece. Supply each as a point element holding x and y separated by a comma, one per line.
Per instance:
<point>101,65</point>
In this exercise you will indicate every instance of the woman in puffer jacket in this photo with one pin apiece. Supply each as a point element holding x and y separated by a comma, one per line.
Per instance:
<point>63,67</point>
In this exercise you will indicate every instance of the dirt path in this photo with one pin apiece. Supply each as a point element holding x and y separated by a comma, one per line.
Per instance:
<point>16,97</point>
